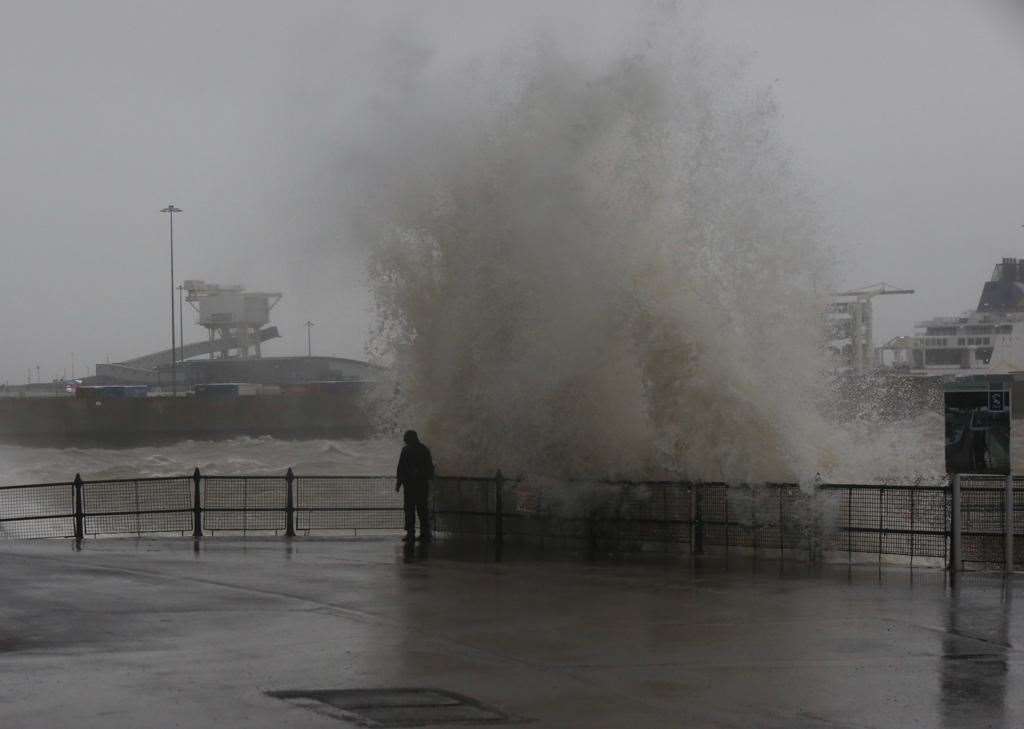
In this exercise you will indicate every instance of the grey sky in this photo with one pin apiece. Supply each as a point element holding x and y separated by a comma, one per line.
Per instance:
<point>909,115</point>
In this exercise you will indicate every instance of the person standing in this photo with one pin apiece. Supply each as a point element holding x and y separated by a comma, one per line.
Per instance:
<point>415,469</point>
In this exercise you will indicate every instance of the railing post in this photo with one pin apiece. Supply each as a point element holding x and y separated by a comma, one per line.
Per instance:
<point>499,507</point>
<point>689,513</point>
<point>815,540</point>
<point>955,519</point>
<point>881,522</point>
<point>912,547</point>
<point>197,505</point>
<point>698,520</point>
<point>664,514</point>
<point>782,525</point>
<point>849,525</point>
<point>818,504</point>
<point>754,541</point>
<point>1008,526</point>
<point>289,504</point>
<point>945,521</point>
<point>725,492</point>
<point>79,515</point>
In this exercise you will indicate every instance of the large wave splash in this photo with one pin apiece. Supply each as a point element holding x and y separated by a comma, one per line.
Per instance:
<point>600,269</point>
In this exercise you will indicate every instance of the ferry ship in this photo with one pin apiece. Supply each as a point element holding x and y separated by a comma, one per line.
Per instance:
<point>986,341</point>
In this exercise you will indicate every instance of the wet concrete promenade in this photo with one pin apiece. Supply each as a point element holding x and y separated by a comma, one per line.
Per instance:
<point>151,633</point>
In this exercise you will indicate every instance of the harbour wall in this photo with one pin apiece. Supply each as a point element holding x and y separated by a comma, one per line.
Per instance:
<point>153,419</point>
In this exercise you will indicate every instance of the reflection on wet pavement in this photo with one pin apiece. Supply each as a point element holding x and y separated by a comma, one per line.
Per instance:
<point>198,633</point>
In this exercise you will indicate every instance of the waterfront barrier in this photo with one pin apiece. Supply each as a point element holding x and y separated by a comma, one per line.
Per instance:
<point>969,522</point>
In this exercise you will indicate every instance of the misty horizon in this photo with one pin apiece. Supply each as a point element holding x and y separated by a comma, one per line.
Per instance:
<point>903,118</point>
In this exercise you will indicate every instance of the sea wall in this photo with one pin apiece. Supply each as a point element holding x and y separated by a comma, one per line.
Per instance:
<point>135,420</point>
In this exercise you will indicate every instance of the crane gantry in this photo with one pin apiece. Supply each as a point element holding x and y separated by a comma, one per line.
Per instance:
<point>861,318</point>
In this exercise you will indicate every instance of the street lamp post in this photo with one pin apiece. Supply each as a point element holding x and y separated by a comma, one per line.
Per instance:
<point>181,323</point>
<point>309,339</point>
<point>171,210</point>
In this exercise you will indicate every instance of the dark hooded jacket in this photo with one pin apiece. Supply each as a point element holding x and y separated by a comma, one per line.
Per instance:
<point>415,465</point>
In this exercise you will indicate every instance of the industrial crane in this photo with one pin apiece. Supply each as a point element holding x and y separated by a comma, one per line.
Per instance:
<point>861,327</point>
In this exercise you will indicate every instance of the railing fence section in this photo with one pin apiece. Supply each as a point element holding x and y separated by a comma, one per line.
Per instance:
<point>38,510</point>
<point>134,506</point>
<point>346,502</point>
<point>991,515</point>
<point>832,522</point>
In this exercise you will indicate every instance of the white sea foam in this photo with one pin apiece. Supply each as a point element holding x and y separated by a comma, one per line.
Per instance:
<point>233,456</point>
<point>607,269</point>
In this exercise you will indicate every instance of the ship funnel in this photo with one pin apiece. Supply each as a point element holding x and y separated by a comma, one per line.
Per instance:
<point>1005,292</point>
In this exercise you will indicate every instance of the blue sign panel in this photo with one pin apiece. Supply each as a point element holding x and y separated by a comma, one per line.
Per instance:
<point>978,431</point>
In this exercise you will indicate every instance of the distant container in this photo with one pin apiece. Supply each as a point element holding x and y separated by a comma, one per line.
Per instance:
<point>332,387</point>
<point>111,392</point>
<point>218,390</point>
<point>235,389</point>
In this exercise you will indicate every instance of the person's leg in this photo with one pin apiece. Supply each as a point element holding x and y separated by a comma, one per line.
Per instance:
<point>423,507</point>
<point>410,510</point>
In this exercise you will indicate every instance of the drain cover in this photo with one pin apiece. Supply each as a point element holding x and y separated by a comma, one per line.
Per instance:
<point>395,707</point>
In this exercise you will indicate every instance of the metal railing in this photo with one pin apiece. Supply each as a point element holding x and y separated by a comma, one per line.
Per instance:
<point>895,521</point>
<point>974,517</point>
<point>203,504</point>
<point>987,520</point>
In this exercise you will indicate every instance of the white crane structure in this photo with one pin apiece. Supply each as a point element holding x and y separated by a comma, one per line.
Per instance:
<point>233,317</point>
<point>852,322</point>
